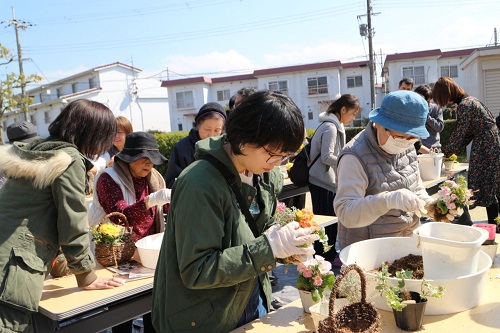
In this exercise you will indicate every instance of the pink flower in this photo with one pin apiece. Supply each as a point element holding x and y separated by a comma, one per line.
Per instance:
<point>451,205</point>
<point>318,281</point>
<point>324,266</point>
<point>307,273</point>
<point>445,191</point>
<point>280,207</point>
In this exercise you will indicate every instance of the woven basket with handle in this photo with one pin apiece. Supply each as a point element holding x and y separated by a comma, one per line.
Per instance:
<point>355,317</point>
<point>112,255</point>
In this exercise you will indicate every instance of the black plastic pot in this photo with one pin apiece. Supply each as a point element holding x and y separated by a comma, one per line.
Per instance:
<point>412,316</point>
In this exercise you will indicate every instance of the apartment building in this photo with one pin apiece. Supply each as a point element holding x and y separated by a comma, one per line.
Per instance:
<point>116,85</point>
<point>312,87</point>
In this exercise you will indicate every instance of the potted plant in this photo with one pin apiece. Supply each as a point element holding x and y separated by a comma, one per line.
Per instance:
<point>113,243</point>
<point>449,161</point>
<point>315,276</point>
<point>407,306</point>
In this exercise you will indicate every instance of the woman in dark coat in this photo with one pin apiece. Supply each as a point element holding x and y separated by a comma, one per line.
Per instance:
<point>475,124</point>
<point>208,122</point>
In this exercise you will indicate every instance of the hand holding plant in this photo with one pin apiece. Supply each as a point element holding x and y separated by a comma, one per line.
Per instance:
<point>451,196</point>
<point>304,217</point>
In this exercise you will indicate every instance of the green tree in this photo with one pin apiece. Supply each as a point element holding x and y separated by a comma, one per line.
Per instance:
<point>10,99</point>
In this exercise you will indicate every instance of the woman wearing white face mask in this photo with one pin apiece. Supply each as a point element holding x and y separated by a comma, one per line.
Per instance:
<point>379,189</point>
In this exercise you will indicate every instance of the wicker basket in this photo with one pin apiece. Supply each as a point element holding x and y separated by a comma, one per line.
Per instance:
<point>354,317</point>
<point>112,255</point>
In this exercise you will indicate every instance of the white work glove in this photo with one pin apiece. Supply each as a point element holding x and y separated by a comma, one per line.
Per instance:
<point>285,240</point>
<point>158,198</point>
<point>405,200</point>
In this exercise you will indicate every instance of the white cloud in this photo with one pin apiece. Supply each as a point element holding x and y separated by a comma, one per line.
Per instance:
<point>327,51</point>
<point>211,64</point>
<point>55,75</point>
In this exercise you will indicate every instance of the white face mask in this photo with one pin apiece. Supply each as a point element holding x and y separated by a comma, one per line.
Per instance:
<point>396,145</point>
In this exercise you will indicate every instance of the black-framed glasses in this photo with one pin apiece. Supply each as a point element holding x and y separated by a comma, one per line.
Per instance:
<point>273,158</point>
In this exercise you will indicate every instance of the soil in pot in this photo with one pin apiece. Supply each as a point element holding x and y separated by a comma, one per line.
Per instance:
<point>412,316</point>
<point>410,262</point>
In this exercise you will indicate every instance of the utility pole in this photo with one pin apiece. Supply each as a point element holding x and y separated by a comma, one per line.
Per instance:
<point>20,25</point>
<point>370,50</point>
<point>367,31</point>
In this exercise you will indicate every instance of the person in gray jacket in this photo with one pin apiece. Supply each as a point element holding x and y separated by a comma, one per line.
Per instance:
<point>380,192</point>
<point>327,142</point>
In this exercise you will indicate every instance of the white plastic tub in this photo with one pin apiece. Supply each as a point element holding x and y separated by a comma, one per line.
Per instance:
<point>461,294</point>
<point>430,166</point>
<point>449,250</point>
<point>149,249</point>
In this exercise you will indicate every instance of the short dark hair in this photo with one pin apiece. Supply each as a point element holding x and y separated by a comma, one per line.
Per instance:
<point>266,118</point>
<point>407,80</point>
<point>348,100</point>
<point>89,125</point>
<point>231,102</point>
<point>424,90</point>
<point>245,92</point>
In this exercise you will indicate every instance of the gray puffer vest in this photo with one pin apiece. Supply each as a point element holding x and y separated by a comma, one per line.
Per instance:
<point>385,172</point>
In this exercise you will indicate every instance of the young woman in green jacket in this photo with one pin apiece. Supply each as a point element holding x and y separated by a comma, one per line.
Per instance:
<point>42,209</point>
<point>212,269</point>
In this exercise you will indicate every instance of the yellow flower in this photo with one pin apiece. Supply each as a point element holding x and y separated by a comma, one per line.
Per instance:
<point>110,229</point>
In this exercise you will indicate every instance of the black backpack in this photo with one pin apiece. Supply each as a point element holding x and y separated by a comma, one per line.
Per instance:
<point>299,172</point>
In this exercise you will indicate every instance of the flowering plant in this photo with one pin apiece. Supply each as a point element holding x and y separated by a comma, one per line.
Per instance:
<point>109,233</point>
<point>452,158</point>
<point>286,215</point>
<point>315,276</point>
<point>452,195</point>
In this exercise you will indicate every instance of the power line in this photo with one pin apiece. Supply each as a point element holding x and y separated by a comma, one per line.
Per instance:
<point>189,35</point>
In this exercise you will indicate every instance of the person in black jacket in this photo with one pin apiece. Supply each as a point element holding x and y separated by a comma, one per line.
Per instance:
<point>208,122</point>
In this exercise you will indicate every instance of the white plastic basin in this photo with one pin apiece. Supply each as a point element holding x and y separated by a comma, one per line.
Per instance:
<point>149,249</point>
<point>449,250</point>
<point>461,294</point>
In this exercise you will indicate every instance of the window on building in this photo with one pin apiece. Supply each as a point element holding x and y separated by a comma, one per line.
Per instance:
<point>278,86</point>
<point>317,85</point>
<point>223,95</point>
<point>417,73</point>
<point>184,99</point>
<point>74,88</point>
<point>451,71</point>
<point>33,119</point>
<point>93,82</point>
<point>46,116</point>
<point>179,127</point>
<point>59,92</point>
<point>310,116</point>
<point>354,81</point>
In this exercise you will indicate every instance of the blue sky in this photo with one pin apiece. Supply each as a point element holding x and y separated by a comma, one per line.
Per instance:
<point>173,38</point>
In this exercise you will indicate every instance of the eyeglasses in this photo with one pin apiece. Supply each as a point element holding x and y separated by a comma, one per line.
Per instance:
<point>409,137</point>
<point>273,158</point>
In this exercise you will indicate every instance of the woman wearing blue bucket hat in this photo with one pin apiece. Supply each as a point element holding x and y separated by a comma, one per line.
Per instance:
<point>380,192</point>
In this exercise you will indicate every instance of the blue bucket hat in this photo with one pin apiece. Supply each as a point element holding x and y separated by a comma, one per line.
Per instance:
<point>403,111</point>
